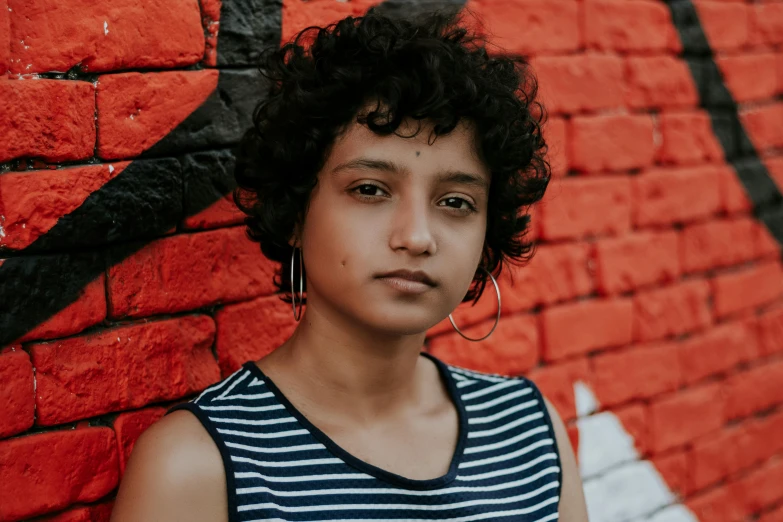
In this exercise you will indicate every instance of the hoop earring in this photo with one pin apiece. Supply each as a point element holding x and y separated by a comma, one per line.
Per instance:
<point>301,284</point>
<point>497,319</point>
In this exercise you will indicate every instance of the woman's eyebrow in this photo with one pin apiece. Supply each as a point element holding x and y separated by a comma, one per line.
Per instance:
<point>446,176</point>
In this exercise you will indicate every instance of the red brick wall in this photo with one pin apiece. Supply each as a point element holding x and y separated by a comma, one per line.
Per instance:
<point>126,283</point>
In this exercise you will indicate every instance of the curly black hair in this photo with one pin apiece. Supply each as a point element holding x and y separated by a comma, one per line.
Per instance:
<point>432,68</point>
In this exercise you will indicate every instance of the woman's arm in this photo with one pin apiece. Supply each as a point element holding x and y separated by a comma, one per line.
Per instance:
<point>175,473</point>
<point>572,498</point>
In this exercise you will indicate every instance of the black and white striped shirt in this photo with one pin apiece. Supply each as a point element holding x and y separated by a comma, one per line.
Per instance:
<point>280,467</point>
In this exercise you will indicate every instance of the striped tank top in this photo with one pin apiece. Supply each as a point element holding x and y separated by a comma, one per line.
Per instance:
<point>280,467</point>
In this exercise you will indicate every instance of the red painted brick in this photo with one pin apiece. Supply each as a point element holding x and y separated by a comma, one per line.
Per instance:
<point>610,143</point>
<point>554,131</point>
<point>718,243</point>
<point>773,515</point>
<point>46,36</point>
<point>726,24</point>
<point>48,119</point>
<point>5,37</point>
<point>718,350</point>
<point>760,489</point>
<point>763,125</point>
<point>636,373</point>
<point>741,74</point>
<point>49,471</point>
<point>585,326</point>
<point>555,273</point>
<point>734,197</point>
<point>688,139</point>
<point>210,19</point>
<point>221,213</point>
<point>724,453</point>
<point>574,208</point>
<point>17,401</point>
<point>95,513</point>
<point>754,390</point>
<point>32,202</point>
<point>189,271</point>
<point>671,310</point>
<point>136,110</point>
<point>572,84</point>
<point>129,426</point>
<point>667,196</point>
<point>298,14</point>
<point>717,504</point>
<point>512,349</point>
<point>683,416</point>
<point>633,418</point>
<point>121,368</point>
<point>557,384</point>
<point>468,314</point>
<point>629,26</point>
<point>659,82</point>
<point>770,325</point>
<point>636,260</point>
<point>779,67</point>
<point>746,289</point>
<point>550,26</point>
<point>766,21</point>
<point>674,469</point>
<point>239,340</point>
<point>765,244</point>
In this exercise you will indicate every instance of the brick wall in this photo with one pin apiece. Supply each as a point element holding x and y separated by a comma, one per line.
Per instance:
<point>651,315</point>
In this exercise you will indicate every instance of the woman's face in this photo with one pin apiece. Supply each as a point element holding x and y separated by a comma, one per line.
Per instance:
<point>390,203</point>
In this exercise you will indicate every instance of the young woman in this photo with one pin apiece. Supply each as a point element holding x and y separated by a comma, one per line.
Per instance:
<point>389,171</point>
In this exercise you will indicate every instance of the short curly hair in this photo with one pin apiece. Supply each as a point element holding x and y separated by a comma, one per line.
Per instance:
<point>432,68</point>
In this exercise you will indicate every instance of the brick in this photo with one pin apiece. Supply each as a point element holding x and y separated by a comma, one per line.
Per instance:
<point>574,208</point>
<point>467,314</point>
<point>210,19</point>
<point>129,426</point>
<point>766,21</point>
<point>688,139</point>
<point>512,349</point>
<point>629,26</point>
<point>46,36</point>
<point>555,273</point>
<point>676,195</point>
<point>49,471</point>
<point>123,367</point>
<point>779,67</point>
<point>674,469</point>
<point>724,453</point>
<point>747,289</point>
<point>770,329</point>
<point>659,82</point>
<point>556,382</point>
<point>726,24</point>
<point>718,350</point>
<point>683,416</point>
<point>209,184</point>
<point>188,271</point>
<point>585,326</point>
<point>636,260</point>
<point>733,195</point>
<point>754,390</point>
<point>5,37</point>
<point>47,119</point>
<point>32,202</point>
<point>94,513</point>
<point>741,74</point>
<point>554,132</point>
<point>718,243</point>
<point>610,143</point>
<point>573,84</point>
<point>671,310</point>
<point>135,110</point>
<point>774,515</point>
<point>633,417</point>
<point>636,373</point>
<point>763,125</point>
<point>239,340</point>
<point>551,26</point>
<point>17,399</point>
<point>717,504</point>
<point>760,489</point>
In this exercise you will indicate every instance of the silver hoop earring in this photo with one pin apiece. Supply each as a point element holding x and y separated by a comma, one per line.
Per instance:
<point>497,319</point>
<point>301,284</point>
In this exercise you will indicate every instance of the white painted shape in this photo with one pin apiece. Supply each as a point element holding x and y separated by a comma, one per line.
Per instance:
<point>111,168</point>
<point>630,491</point>
<point>2,232</point>
<point>586,403</point>
<point>675,513</point>
<point>603,444</point>
<point>105,27</point>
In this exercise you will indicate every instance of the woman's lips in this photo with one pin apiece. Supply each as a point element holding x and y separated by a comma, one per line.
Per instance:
<point>406,285</point>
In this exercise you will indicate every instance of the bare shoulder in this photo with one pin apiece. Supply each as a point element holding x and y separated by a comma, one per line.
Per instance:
<point>572,499</point>
<point>175,473</point>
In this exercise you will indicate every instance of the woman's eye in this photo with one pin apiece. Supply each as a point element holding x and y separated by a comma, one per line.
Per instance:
<point>367,190</point>
<point>458,202</point>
